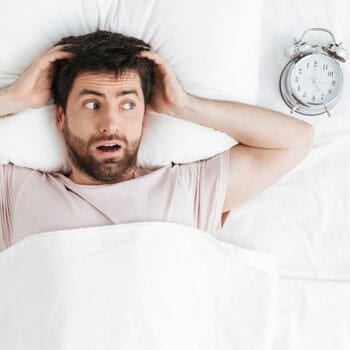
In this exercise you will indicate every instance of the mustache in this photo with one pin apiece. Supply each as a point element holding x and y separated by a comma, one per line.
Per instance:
<point>113,137</point>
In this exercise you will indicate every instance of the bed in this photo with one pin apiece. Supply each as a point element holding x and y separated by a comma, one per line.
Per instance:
<point>276,276</point>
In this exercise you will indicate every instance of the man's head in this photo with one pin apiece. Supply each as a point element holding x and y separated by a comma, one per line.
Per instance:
<point>101,95</point>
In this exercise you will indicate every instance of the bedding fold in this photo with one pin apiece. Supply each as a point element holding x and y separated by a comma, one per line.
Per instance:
<point>149,285</point>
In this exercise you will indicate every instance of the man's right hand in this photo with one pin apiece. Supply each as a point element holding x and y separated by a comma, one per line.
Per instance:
<point>33,88</point>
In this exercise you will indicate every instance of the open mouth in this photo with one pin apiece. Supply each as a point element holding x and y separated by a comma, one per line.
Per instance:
<point>109,148</point>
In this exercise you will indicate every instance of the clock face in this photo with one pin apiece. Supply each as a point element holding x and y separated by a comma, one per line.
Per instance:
<point>316,79</point>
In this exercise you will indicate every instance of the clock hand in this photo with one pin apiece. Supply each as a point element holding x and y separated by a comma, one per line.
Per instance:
<point>315,83</point>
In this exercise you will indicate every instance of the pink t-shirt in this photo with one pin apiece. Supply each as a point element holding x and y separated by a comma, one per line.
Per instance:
<point>32,201</point>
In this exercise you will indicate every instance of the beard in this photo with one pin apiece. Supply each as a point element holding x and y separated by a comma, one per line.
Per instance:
<point>107,170</point>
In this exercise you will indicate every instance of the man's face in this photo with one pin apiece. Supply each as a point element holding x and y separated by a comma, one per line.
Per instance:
<point>103,126</point>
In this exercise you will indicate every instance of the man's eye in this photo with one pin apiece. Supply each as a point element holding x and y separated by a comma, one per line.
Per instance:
<point>92,105</point>
<point>128,105</point>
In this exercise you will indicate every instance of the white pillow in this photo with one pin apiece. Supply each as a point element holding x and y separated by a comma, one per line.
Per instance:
<point>213,47</point>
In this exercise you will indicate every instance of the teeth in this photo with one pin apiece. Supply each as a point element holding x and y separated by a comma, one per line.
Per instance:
<point>110,145</point>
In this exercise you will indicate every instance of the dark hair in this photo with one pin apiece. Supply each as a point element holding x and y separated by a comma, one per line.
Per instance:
<point>101,51</point>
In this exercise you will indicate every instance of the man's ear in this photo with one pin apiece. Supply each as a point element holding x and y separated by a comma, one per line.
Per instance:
<point>147,110</point>
<point>59,117</point>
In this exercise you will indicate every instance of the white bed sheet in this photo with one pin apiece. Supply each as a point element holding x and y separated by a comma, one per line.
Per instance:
<point>148,285</point>
<point>303,220</point>
<point>312,314</point>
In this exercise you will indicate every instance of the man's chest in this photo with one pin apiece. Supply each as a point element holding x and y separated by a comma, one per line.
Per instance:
<point>51,209</point>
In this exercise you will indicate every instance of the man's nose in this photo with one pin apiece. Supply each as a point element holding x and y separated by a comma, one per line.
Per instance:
<point>110,121</point>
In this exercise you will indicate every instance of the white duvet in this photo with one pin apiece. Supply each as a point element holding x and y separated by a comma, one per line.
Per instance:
<point>148,285</point>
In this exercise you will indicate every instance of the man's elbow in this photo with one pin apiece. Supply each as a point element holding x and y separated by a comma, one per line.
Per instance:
<point>304,143</point>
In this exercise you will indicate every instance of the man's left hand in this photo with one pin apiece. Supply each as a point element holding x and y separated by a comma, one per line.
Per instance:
<point>169,97</point>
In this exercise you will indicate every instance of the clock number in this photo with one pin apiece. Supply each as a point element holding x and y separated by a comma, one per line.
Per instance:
<point>315,64</point>
<point>330,91</point>
<point>330,74</point>
<point>304,94</point>
<point>298,87</point>
<point>325,67</point>
<point>296,79</point>
<point>313,98</point>
<point>334,82</point>
<point>307,65</point>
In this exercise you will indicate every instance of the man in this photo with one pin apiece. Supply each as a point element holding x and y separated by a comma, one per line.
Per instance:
<point>102,84</point>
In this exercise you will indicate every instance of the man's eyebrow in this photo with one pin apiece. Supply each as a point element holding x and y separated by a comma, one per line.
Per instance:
<point>97,93</point>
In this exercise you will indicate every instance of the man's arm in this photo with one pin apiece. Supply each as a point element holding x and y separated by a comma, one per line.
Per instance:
<point>8,105</point>
<point>271,143</point>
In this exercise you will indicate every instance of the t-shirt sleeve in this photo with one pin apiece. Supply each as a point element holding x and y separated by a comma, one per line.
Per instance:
<point>206,182</point>
<point>10,178</point>
<point>5,199</point>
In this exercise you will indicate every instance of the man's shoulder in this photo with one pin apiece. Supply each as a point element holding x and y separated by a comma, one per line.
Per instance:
<point>17,173</point>
<point>18,168</point>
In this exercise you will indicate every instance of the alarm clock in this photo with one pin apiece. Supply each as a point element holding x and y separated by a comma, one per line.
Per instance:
<point>311,83</point>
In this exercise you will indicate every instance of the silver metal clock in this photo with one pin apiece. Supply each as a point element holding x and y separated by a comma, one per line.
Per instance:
<point>311,83</point>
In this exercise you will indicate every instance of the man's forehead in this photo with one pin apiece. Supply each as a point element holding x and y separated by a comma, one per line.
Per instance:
<point>88,80</point>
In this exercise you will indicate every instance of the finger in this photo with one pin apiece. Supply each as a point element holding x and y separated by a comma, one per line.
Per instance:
<point>144,47</point>
<point>153,56</point>
<point>59,48</point>
<point>58,55</point>
<point>52,57</point>
<point>162,65</point>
